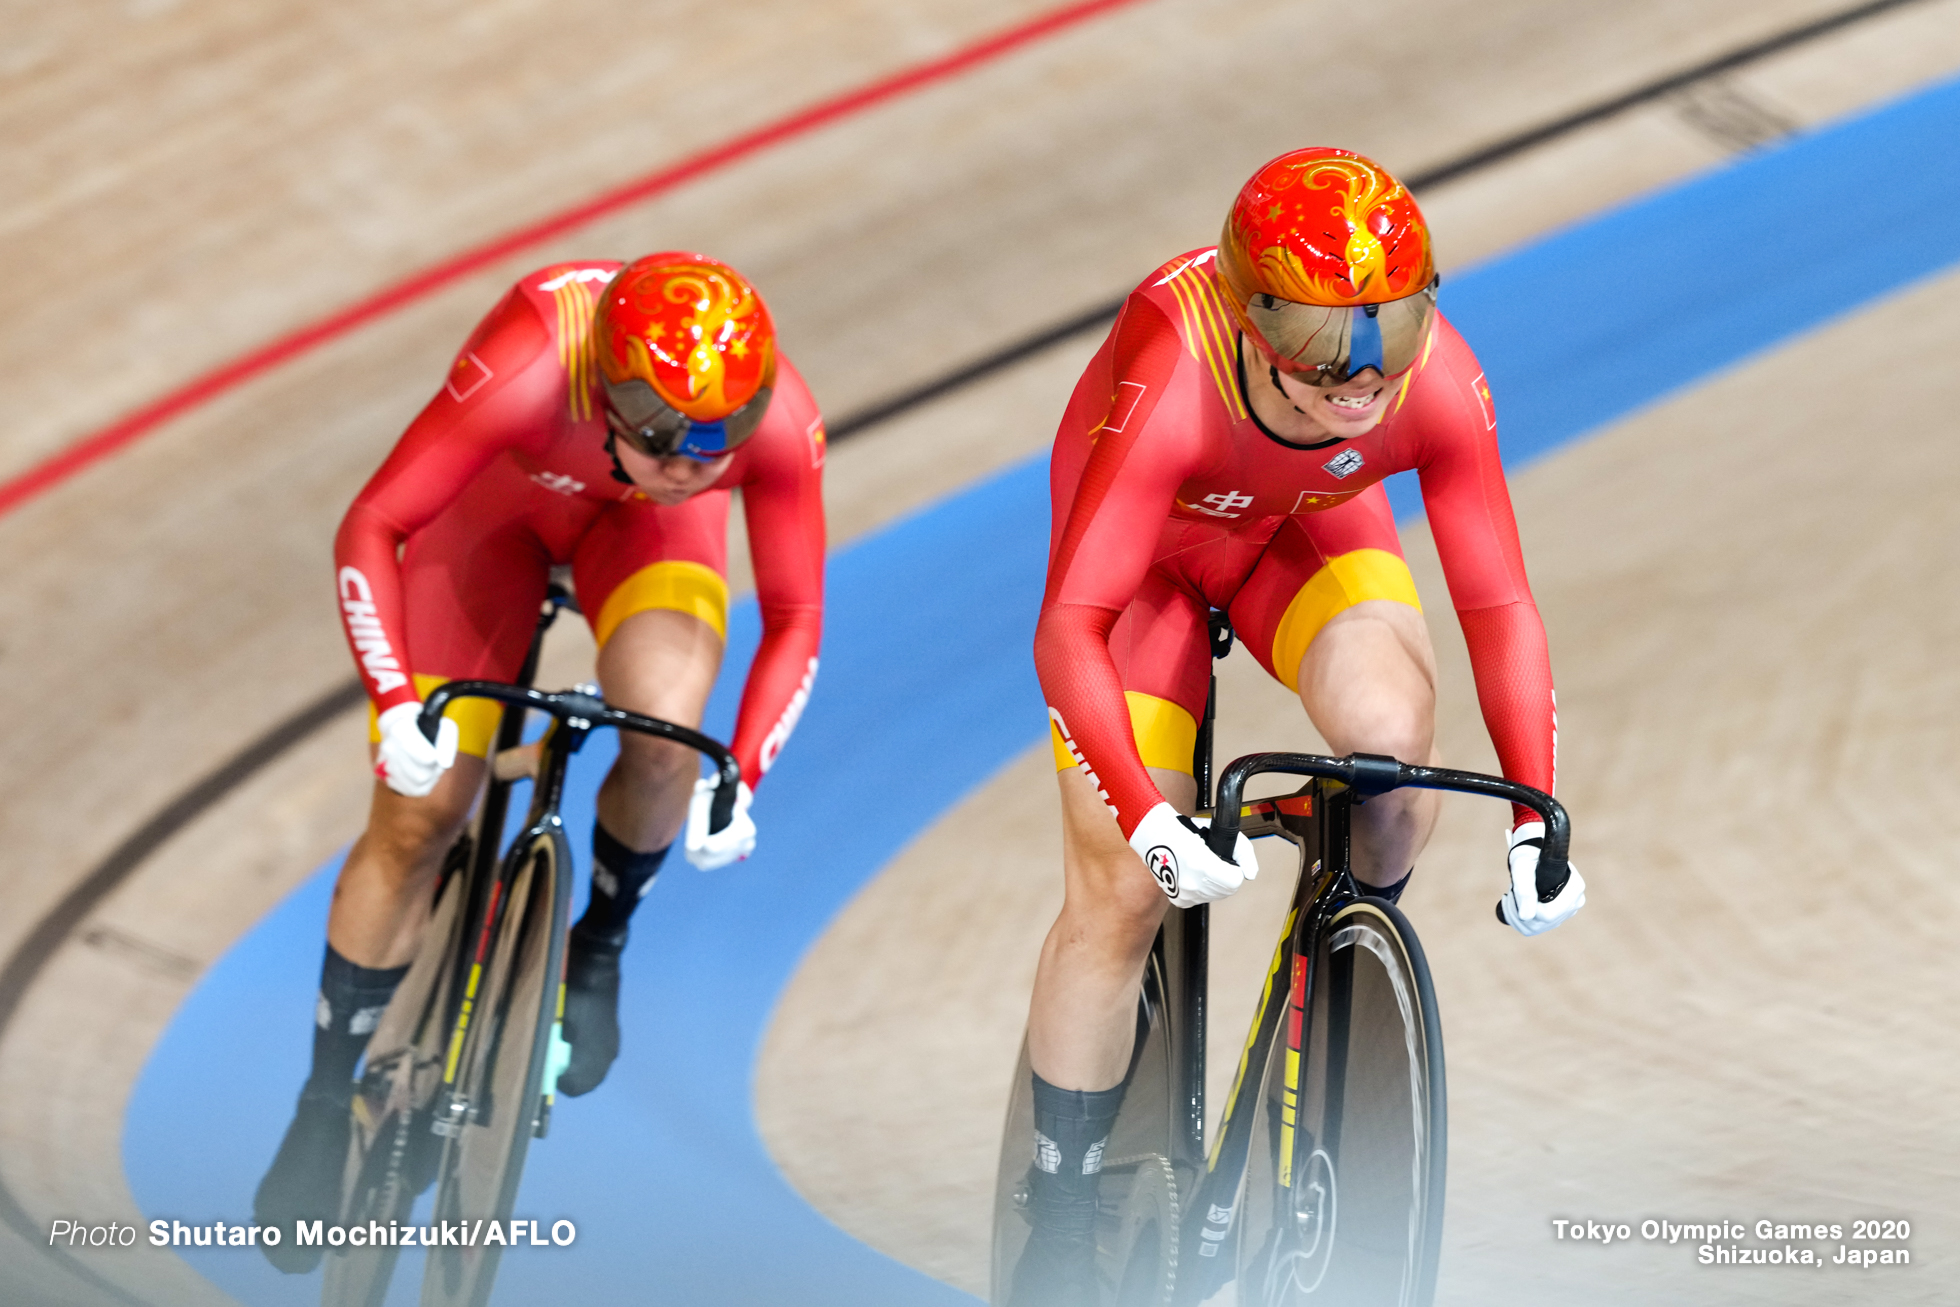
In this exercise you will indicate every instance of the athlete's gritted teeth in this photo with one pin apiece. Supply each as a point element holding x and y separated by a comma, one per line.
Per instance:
<point>1355,405</point>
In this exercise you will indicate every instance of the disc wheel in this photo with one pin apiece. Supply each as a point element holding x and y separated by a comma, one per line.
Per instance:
<point>501,1072</point>
<point>391,1154</point>
<point>1343,1198</point>
<point>1138,1238</point>
<point>1136,1229</point>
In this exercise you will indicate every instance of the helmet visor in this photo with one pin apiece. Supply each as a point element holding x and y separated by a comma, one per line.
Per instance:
<point>1332,345</point>
<point>638,416</point>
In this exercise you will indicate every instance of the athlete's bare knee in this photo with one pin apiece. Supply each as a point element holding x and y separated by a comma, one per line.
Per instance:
<point>407,837</point>
<point>1112,906</point>
<point>1399,727</point>
<point>1118,904</point>
<point>406,851</point>
<point>1383,704</point>
<point>647,761</point>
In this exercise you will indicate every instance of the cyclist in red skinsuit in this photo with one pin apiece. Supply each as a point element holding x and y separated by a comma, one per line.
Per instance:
<point>1225,450</point>
<point>599,418</point>
<point>1173,491</point>
<point>509,462</point>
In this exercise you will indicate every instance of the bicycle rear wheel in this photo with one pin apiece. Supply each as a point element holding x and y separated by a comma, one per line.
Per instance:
<point>1343,1199</point>
<point>1137,1229</point>
<point>391,1154</point>
<point>501,1069</point>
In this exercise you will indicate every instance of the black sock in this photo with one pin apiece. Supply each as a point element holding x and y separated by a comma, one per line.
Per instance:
<point>1071,1128</point>
<point>1393,893</point>
<point>620,879</point>
<point>352,999</point>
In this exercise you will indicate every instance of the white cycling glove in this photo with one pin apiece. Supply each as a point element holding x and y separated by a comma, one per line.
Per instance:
<point>732,842</point>
<point>406,760</point>
<point>1173,847</point>
<point>1520,906</point>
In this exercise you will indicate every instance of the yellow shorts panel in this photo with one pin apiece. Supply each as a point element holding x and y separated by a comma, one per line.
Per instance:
<point>476,719</point>
<point>1165,733</point>
<point>1342,582</point>
<point>683,586</point>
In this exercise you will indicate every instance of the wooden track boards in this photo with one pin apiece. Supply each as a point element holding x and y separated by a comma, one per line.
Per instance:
<point>1750,1017</point>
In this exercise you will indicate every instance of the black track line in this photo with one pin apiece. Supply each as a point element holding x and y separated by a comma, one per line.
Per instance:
<point>1462,166</point>
<point>53,930</point>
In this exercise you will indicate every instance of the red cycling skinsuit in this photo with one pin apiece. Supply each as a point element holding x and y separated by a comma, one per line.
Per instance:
<point>505,473</point>
<point>1170,498</point>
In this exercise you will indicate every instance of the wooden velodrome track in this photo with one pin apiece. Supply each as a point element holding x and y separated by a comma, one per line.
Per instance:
<point>1747,617</point>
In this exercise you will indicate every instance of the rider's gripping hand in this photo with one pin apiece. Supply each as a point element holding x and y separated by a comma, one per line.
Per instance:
<point>1173,847</point>
<point>406,760</point>
<point>732,842</point>
<point>1520,906</point>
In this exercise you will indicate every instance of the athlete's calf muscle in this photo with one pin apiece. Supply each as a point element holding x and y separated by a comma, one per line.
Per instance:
<point>1081,1019</point>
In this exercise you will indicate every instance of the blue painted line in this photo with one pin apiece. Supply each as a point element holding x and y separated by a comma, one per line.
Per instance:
<point>1626,308</point>
<point>926,691</point>
<point>686,1198</point>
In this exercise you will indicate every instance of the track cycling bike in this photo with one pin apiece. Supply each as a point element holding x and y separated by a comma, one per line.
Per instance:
<point>1324,1182</point>
<point>462,1068</point>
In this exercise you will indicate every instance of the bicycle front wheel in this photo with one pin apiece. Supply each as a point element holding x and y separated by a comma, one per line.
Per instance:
<point>501,1069</point>
<point>1343,1198</point>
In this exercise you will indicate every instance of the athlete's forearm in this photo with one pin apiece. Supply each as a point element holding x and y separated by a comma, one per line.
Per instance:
<point>1087,707</point>
<point>783,505</point>
<point>779,685</point>
<point>368,587</point>
<point>1513,669</point>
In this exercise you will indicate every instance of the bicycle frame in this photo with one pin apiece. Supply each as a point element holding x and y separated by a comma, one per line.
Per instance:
<point>1302,1019</point>
<point>480,1035</point>
<point>575,712</point>
<point>1316,819</point>
<point>485,846</point>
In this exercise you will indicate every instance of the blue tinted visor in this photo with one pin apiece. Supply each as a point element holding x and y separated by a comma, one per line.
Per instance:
<point>1331,344</point>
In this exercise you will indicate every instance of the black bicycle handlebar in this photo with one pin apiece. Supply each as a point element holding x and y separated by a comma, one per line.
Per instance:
<point>576,706</point>
<point>1370,774</point>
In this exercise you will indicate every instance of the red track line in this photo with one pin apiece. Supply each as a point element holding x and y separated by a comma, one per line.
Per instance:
<point>127,430</point>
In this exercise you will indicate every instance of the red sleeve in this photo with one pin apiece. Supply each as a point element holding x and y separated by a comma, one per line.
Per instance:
<point>782,498</point>
<point>1112,491</point>
<point>498,394</point>
<point>1469,508</point>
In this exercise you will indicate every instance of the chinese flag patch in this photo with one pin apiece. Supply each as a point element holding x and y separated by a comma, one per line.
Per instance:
<point>1482,391</point>
<point>466,377</point>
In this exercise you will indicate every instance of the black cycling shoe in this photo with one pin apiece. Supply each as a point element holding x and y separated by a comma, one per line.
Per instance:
<point>591,1010</point>
<point>1058,1265</point>
<point>304,1180</point>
